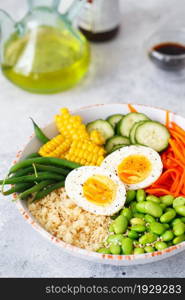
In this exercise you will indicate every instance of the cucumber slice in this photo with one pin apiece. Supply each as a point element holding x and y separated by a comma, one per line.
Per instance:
<point>153,134</point>
<point>133,131</point>
<point>124,126</point>
<point>116,141</point>
<point>114,119</point>
<point>103,127</point>
<point>117,147</point>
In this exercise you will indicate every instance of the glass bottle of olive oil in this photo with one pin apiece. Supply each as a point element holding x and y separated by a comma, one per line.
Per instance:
<point>45,54</point>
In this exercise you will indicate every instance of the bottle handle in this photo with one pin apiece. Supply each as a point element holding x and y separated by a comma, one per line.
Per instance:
<point>74,9</point>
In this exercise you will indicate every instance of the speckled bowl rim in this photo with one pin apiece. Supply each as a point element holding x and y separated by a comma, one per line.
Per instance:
<point>98,257</point>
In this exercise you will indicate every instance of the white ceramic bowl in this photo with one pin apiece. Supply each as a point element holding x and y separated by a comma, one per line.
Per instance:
<point>91,113</point>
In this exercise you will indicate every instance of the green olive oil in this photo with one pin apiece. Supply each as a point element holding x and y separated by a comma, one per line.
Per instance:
<point>46,60</point>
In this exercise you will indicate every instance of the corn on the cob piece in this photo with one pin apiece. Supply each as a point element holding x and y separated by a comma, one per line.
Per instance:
<point>57,147</point>
<point>71,126</point>
<point>85,152</point>
<point>96,137</point>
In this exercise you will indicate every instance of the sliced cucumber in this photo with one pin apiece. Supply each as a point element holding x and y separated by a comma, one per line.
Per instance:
<point>124,126</point>
<point>152,134</point>
<point>117,147</point>
<point>103,127</point>
<point>133,131</point>
<point>116,141</point>
<point>114,119</point>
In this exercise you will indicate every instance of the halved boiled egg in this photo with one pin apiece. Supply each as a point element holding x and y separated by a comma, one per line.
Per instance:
<point>96,190</point>
<point>136,166</point>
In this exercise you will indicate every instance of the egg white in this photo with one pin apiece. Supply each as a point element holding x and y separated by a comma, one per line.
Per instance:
<point>112,161</point>
<point>74,189</point>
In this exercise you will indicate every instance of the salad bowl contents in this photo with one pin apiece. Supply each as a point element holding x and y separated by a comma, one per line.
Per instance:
<point>106,187</point>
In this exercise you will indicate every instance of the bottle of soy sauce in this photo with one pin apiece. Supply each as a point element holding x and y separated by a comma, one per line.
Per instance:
<point>100,20</point>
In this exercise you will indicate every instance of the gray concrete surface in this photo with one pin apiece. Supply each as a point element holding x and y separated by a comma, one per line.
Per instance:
<point>120,72</point>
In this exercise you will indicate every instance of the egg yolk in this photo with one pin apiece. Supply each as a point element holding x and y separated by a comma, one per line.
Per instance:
<point>134,169</point>
<point>100,190</point>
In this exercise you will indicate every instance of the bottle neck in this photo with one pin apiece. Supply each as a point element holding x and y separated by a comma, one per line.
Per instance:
<point>43,3</point>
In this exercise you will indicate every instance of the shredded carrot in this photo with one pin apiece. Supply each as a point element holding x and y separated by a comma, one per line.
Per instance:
<point>172,180</point>
<point>131,108</point>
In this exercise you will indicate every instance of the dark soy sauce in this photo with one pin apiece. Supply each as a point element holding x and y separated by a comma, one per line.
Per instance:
<point>168,56</point>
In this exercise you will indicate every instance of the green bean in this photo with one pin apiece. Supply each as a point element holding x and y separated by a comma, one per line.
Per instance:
<point>127,246</point>
<point>20,187</point>
<point>115,239</point>
<point>115,249</point>
<point>149,218</point>
<point>179,239</point>
<point>127,213</point>
<point>130,196</point>
<point>120,224</point>
<point>147,238</point>
<point>46,161</point>
<point>39,133</point>
<point>167,236</point>
<point>52,169</point>
<point>104,251</point>
<point>179,201</point>
<point>149,249</point>
<point>30,178</point>
<point>111,229</point>
<point>157,228</point>
<point>22,172</point>
<point>179,229</point>
<point>137,221</point>
<point>41,194</point>
<point>140,195</point>
<point>167,200</point>
<point>35,189</point>
<point>168,216</point>
<point>32,155</point>
<point>138,228</point>
<point>160,246</point>
<point>139,251</point>
<point>180,210</point>
<point>133,234</point>
<point>153,199</point>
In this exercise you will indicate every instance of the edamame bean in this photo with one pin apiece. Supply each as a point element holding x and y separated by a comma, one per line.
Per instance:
<point>140,207</point>
<point>153,209</point>
<point>140,195</point>
<point>163,206</point>
<point>133,234</point>
<point>153,199</point>
<point>180,210</point>
<point>179,201</point>
<point>130,196</point>
<point>168,216</point>
<point>115,249</point>
<point>137,221</point>
<point>139,251</point>
<point>160,245</point>
<point>127,213</point>
<point>149,249</point>
<point>179,229</point>
<point>176,221</point>
<point>167,200</point>
<point>147,238</point>
<point>139,215</point>
<point>166,225</point>
<point>111,229</point>
<point>133,207</point>
<point>127,246</point>
<point>115,239</point>
<point>179,239</point>
<point>170,244</point>
<point>138,228</point>
<point>120,224</point>
<point>182,219</point>
<point>149,218</point>
<point>104,251</point>
<point>167,236</point>
<point>157,228</point>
